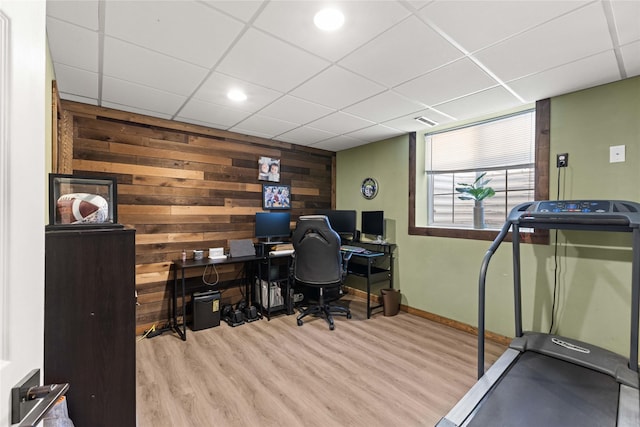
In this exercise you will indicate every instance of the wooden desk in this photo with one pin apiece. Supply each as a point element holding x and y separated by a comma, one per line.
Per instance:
<point>191,263</point>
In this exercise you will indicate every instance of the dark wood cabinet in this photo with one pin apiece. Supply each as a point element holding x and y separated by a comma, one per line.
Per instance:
<point>89,325</point>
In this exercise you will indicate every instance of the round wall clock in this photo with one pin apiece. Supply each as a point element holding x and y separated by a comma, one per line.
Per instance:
<point>369,188</point>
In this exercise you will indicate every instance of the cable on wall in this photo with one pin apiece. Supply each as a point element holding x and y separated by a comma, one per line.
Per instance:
<point>556,265</point>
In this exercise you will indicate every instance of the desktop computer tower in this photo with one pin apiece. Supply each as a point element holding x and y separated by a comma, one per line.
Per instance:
<point>205,309</point>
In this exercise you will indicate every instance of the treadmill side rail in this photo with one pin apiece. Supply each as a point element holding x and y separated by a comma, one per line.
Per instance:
<point>628,407</point>
<point>459,413</point>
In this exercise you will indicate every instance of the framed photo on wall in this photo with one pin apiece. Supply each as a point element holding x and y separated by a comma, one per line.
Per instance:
<point>76,201</point>
<point>269,169</point>
<point>276,196</point>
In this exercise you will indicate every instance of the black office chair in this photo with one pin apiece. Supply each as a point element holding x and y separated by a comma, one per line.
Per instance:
<point>319,263</point>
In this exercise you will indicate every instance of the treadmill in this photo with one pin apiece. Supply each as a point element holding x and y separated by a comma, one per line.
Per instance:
<point>548,380</point>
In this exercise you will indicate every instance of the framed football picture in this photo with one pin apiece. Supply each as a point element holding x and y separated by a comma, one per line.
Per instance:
<point>76,201</point>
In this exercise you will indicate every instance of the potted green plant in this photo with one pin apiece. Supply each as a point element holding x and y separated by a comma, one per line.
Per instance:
<point>478,191</point>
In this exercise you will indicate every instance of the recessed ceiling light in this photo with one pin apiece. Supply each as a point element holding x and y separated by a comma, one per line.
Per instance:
<point>236,95</point>
<point>329,19</point>
<point>426,121</point>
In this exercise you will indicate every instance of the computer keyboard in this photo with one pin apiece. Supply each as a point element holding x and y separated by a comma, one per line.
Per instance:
<point>281,252</point>
<point>349,248</point>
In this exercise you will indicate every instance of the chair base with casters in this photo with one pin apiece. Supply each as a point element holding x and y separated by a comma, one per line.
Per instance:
<point>324,310</point>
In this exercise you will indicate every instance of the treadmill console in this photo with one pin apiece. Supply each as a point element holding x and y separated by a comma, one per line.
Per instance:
<point>574,206</point>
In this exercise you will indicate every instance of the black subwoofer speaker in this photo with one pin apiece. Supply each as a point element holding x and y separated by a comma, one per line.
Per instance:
<point>205,310</point>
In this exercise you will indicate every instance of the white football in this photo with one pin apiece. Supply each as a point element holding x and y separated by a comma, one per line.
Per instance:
<point>78,208</point>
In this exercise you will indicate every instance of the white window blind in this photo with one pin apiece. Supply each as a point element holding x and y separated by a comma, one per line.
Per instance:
<point>496,144</point>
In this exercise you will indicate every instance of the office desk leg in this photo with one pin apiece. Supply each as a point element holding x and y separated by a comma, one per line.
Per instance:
<point>368,288</point>
<point>182,332</point>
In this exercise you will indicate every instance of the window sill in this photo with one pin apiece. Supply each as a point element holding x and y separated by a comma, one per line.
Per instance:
<point>540,237</point>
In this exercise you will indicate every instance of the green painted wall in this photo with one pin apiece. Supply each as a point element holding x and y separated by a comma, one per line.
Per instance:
<point>440,275</point>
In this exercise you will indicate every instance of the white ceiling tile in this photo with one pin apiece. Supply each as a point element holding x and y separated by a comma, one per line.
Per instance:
<point>384,106</point>
<point>80,12</point>
<point>627,17</point>
<point>405,51</point>
<point>217,85</point>
<point>84,53</point>
<point>631,58</point>
<point>125,61</point>
<point>341,123</point>
<point>295,110</point>
<point>242,10</point>
<point>75,98</point>
<point>375,133</point>
<point>485,102</point>
<point>75,81</point>
<point>337,88</point>
<point>593,71</point>
<point>135,110</point>
<point>264,125</point>
<point>222,116</point>
<point>409,124</point>
<point>550,45</point>
<point>341,142</point>
<point>458,78</point>
<point>363,20</point>
<point>477,24</point>
<point>269,62</point>
<point>146,98</point>
<point>187,30</point>
<point>305,135</point>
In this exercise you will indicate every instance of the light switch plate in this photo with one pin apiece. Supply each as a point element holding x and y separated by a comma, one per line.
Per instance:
<point>616,153</point>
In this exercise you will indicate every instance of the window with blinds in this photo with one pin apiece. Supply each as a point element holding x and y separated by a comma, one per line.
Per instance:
<point>504,148</point>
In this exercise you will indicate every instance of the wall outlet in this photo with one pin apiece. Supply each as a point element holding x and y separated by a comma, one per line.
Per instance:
<point>616,153</point>
<point>562,160</point>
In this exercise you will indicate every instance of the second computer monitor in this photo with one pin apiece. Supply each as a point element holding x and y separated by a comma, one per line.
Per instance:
<point>372,222</point>
<point>342,221</point>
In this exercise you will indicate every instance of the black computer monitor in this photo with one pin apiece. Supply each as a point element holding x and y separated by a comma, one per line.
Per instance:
<point>372,222</point>
<point>342,221</point>
<point>273,225</point>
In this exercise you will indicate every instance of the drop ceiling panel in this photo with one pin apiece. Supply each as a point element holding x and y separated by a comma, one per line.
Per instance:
<point>479,103</point>
<point>76,81</point>
<point>388,104</point>
<point>407,50</point>
<point>146,98</point>
<point>242,10</point>
<point>83,55</point>
<point>84,13</point>
<point>342,142</point>
<point>477,24</point>
<point>631,58</point>
<point>129,62</point>
<point>264,60</point>
<point>566,39</point>
<point>340,123</point>
<point>305,135</point>
<point>265,126</point>
<point>594,70</point>
<point>375,133</point>
<point>217,85</point>
<point>135,110</point>
<point>363,20</point>
<point>187,30</point>
<point>337,88</point>
<point>627,18</point>
<point>295,110</point>
<point>451,81</point>
<point>206,112</point>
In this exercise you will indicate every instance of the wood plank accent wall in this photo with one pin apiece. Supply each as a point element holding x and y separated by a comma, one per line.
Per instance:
<point>185,186</point>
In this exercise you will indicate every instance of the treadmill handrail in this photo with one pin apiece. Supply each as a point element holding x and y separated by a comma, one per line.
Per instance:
<point>622,216</point>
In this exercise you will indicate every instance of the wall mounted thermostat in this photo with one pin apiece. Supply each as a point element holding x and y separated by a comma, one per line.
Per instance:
<point>369,188</point>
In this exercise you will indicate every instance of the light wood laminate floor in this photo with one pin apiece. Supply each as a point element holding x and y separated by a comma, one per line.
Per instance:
<point>385,371</point>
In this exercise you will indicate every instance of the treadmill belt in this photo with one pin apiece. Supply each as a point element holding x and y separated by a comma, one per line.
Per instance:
<point>541,391</point>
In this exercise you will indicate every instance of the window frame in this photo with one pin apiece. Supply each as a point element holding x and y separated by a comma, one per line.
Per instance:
<point>541,191</point>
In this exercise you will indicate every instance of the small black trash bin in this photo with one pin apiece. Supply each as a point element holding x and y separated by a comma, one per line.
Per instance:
<point>390,301</point>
